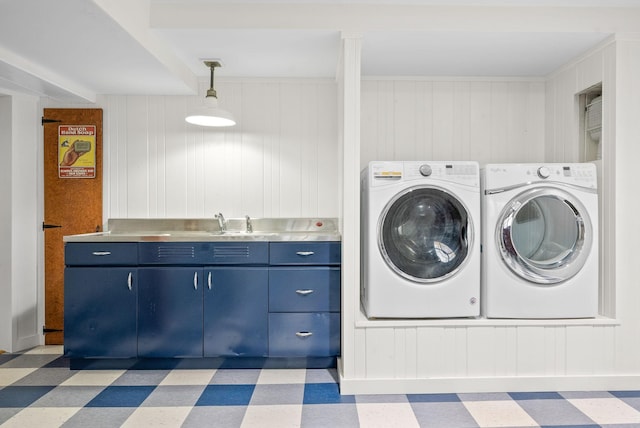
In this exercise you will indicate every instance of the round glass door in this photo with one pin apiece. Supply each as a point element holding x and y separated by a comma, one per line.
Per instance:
<point>424,234</point>
<point>544,235</point>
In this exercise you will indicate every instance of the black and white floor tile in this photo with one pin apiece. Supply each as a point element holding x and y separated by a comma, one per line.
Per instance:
<point>37,389</point>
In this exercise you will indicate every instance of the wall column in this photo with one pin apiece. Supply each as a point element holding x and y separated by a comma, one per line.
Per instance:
<point>20,317</point>
<point>349,130</point>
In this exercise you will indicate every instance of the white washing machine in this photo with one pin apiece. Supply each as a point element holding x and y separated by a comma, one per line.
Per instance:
<point>540,241</point>
<point>420,239</point>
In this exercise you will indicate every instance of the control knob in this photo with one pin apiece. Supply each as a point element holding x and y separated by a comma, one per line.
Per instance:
<point>425,170</point>
<point>543,172</point>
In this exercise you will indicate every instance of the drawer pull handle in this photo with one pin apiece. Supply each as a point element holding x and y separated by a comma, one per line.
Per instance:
<point>101,253</point>
<point>304,334</point>
<point>305,253</point>
<point>195,280</point>
<point>129,280</point>
<point>304,292</point>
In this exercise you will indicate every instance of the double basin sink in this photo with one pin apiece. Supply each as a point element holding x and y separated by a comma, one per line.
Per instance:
<point>232,229</point>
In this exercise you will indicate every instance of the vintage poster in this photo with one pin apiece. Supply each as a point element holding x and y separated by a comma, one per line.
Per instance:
<point>76,151</point>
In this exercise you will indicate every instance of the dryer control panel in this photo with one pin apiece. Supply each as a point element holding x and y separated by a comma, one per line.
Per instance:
<point>504,175</point>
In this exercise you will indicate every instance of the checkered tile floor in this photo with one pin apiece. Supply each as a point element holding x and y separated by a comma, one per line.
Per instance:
<point>37,389</point>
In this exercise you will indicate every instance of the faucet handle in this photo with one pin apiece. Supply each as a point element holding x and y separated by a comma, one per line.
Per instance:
<point>249,226</point>
<point>221,221</point>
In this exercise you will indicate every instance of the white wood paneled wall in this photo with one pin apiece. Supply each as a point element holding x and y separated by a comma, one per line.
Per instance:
<point>563,145</point>
<point>280,160</point>
<point>20,219</point>
<point>539,121</point>
<point>485,120</point>
<point>484,350</point>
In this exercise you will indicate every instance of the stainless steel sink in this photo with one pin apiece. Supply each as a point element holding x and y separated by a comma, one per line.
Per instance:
<point>262,229</point>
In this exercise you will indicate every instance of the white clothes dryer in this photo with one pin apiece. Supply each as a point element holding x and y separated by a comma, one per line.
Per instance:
<point>540,241</point>
<point>420,239</point>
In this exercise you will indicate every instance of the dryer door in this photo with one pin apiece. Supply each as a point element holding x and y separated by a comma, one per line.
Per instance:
<point>544,235</point>
<point>425,234</point>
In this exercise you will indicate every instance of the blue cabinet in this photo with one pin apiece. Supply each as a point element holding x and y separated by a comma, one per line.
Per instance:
<point>304,299</point>
<point>170,313</point>
<point>100,300</point>
<point>239,300</point>
<point>100,312</point>
<point>236,312</point>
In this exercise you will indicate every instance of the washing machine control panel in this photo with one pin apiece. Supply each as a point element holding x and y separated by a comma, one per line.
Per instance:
<point>457,172</point>
<point>389,173</point>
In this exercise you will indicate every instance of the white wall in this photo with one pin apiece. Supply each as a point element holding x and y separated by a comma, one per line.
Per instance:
<point>20,320</point>
<point>562,144</point>
<point>626,153</point>
<point>486,120</point>
<point>280,160</point>
<point>497,355</point>
<point>6,289</point>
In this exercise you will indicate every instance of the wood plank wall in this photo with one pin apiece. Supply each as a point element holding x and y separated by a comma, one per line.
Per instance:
<point>281,160</point>
<point>482,120</point>
<point>490,121</point>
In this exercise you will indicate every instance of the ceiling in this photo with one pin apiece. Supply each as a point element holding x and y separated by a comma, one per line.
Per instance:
<point>74,50</point>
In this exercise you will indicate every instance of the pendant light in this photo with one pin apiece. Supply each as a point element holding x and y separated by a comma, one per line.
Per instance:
<point>210,114</point>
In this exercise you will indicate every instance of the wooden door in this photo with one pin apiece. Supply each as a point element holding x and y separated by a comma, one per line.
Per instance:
<point>72,197</point>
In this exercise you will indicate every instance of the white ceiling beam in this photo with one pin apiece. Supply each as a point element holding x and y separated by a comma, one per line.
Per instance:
<point>20,74</point>
<point>391,17</point>
<point>133,17</point>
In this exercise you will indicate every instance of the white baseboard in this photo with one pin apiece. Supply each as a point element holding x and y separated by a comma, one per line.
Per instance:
<point>350,386</point>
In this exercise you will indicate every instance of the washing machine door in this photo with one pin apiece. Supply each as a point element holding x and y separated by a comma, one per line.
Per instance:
<point>544,235</point>
<point>425,234</point>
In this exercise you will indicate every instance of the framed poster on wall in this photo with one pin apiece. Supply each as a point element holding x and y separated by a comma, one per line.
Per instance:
<point>76,151</point>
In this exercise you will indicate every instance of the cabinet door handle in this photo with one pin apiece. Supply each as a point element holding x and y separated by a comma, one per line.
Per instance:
<point>304,292</point>
<point>101,253</point>
<point>195,280</point>
<point>209,282</point>
<point>305,253</point>
<point>130,280</point>
<point>304,334</point>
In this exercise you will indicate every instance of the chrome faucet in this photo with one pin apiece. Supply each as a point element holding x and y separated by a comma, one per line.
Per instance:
<point>249,225</point>
<point>222,223</point>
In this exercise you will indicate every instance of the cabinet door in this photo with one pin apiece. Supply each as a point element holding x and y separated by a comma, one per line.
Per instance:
<point>170,312</point>
<point>235,311</point>
<point>100,312</point>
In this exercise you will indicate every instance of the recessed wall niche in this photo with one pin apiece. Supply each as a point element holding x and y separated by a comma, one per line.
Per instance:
<point>590,107</point>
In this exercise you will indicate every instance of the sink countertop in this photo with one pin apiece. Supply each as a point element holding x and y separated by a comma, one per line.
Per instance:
<point>207,230</point>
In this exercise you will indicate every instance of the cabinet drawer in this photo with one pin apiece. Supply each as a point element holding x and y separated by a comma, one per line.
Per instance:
<point>304,335</point>
<point>204,253</point>
<point>304,253</point>
<point>98,254</point>
<point>304,289</point>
